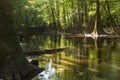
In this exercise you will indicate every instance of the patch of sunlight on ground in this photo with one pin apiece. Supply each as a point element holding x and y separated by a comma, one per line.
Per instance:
<point>58,68</point>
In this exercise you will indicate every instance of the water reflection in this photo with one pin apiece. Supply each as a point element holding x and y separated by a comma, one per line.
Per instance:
<point>86,58</point>
<point>48,73</point>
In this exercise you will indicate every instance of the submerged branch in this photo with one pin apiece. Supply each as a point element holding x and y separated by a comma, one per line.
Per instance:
<point>41,52</point>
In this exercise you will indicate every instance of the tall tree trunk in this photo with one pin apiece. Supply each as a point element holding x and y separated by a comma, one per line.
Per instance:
<point>97,27</point>
<point>64,14</point>
<point>73,14</point>
<point>58,15</point>
<point>78,16</point>
<point>51,2</point>
<point>98,17</point>
<point>85,16</point>
<point>13,64</point>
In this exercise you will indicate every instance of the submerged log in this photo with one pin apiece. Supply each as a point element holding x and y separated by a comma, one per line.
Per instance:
<point>42,52</point>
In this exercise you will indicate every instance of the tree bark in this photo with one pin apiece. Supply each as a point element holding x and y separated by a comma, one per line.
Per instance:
<point>13,64</point>
<point>97,27</point>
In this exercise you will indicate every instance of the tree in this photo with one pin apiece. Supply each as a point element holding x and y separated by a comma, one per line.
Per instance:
<point>97,26</point>
<point>13,64</point>
<point>85,15</point>
<point>98,16</point>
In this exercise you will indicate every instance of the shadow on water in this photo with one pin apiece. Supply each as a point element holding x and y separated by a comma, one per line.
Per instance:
<point>85,59</point>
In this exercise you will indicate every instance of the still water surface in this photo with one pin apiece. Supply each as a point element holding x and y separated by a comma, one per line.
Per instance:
<point>85,59</point>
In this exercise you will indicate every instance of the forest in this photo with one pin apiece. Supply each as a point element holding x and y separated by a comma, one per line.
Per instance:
<point>76,16</point>
<point>20,18</point>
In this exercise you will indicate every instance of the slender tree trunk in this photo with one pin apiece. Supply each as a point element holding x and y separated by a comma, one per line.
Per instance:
<point>54,21</point>
<point>98,16</point>
<point>68,20</point>
<point>13,64</point>
<point>64,14</point>
<point>58,15</point>
<point>51,2</point>
<point>73,14</point>
<point>85,16</point>
<point>97,27</point>
<point>78,16</point>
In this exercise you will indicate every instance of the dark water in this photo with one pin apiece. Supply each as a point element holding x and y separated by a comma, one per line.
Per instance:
<point>85,59</point>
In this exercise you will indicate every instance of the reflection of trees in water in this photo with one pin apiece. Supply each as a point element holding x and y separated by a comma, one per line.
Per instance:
<point>55,39</point>
<point>37,42</point>
<point>85,44</point>
<point>101,48</point>
<point>34,42</point>
<point>109,46</point>
<point>113,42</point>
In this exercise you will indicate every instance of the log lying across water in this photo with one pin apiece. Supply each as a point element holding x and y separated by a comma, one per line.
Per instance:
<point>41,52</point>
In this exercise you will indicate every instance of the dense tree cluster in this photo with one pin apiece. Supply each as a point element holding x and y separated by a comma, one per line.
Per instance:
<point>49,15</point>
<point>62,14</point>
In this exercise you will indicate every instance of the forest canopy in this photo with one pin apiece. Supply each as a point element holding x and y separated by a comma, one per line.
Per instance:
<point>64,14</point>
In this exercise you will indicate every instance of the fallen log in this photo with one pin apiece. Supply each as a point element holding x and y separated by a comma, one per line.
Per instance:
<point>42,52</point>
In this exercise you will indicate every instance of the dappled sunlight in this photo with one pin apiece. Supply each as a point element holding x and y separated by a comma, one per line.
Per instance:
<point>66,62</point>
<point>116,67</point>
<point>75,60</point>
<point>69,39</point>
<point>58,67</point>
<point>62,67</point>
<point>84,56</point>
<point>48,55</point>
<point>59,70</point>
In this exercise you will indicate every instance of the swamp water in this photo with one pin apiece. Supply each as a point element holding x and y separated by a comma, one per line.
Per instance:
<point>84,59</point>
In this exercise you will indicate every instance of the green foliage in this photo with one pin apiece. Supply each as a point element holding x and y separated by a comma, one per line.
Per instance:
<point>61,13</point>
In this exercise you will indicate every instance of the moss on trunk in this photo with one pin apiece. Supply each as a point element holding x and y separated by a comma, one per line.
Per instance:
<point>13,64</point>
